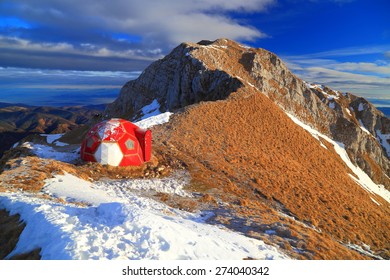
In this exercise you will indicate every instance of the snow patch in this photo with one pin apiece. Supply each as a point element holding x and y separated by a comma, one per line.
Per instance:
<point>361,107</point>
<point>309,85</point>
<point>53,139</point>
<point>154,120</point>
<point>151,110</point>
<point>323,146</point>
<point>50,138</point>
<point>384,140</point>
<point>252,85</point>
<point>331,105</point>
<point>314,86</point>
<point>244,46</point>
<point>364,249</point>
<point>173,184</point>
<point>376,202</point>
<point>362,127</point>
<point>48,152</point>
<point>61,144</point>
<point>330,96</point>
<point>109,130</point>
<point>72,188</point>
<point>210,47</point>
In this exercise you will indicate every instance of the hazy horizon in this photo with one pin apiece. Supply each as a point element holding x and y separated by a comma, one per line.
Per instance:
<point>58,49</point>
<point>38,87</point>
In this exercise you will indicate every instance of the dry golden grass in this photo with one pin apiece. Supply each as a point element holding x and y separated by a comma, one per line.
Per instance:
<point>247,152</point>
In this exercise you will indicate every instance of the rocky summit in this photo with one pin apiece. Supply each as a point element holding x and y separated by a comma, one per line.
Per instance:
<point>209,71</point>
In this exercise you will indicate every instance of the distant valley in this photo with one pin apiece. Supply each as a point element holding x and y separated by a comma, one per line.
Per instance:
<point>18,120</point>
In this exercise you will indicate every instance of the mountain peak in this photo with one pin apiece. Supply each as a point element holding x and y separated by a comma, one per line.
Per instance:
<point>216,70</point>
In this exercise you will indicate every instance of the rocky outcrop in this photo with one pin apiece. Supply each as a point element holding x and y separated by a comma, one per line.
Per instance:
<point>209,71</point>
<point>344,117</point>
<point>178,80</point>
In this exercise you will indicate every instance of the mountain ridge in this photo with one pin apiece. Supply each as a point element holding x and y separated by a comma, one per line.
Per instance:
<point>212,70</point>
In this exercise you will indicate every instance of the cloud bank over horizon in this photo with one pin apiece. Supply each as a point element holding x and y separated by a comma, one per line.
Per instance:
<point>125,34</point>
<point>344,44</point>
<point>61,87</point>
<point>369,79</point>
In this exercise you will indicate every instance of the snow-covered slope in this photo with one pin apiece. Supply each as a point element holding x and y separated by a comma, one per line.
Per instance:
<point>117,223</point>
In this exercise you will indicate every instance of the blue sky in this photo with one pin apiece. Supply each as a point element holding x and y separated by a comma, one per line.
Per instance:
<point>55,51</point>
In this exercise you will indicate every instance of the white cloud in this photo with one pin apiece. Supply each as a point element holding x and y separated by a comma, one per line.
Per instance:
<point>351,51</point>
<point>195,27</point>
<point>18,43</point>
<point>369,79</point>
<point>61,87</point>
<point>161,20</point>
<point>67,77</point>
<point>66,48</point>
<point>351,80</point>
<point>74,31</point>
<point>366,67</point>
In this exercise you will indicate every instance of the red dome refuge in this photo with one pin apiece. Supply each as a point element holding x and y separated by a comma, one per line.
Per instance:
<point>117,142</point>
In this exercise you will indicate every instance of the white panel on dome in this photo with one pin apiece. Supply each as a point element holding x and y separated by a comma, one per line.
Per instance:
<point>109,153</point>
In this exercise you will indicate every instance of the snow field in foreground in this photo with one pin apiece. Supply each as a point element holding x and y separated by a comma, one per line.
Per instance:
<point>117,221</point>
<point>121,225</point>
